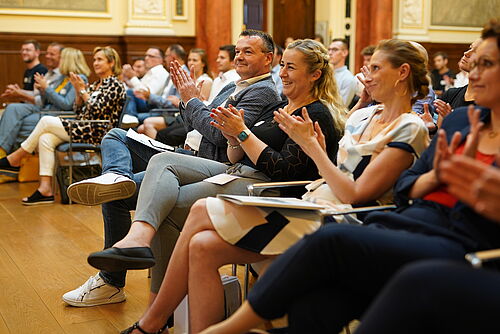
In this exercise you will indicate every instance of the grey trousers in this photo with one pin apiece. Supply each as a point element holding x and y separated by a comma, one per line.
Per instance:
<point>171,185</point>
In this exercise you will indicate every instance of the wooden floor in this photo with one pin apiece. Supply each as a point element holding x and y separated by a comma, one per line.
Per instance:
<point>43,252</point>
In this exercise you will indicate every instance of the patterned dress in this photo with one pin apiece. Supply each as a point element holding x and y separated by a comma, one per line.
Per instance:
<point>270,231</point>
<point>105,103</point>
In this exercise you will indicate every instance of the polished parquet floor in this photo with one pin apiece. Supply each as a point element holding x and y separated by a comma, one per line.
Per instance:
<point>43,253</point>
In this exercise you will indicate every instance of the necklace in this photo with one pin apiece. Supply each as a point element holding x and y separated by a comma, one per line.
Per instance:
<point>492,134</point>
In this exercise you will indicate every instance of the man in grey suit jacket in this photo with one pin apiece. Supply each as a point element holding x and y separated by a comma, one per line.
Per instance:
<point>124,161</point>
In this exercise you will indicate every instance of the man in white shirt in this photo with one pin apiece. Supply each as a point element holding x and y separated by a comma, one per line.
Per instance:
<point>154,81</point>
<point>275,70</point>
<point>346,82</point>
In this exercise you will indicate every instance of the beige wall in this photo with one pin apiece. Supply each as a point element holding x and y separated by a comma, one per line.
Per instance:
<point>412,20</point>
<point>118,21</point>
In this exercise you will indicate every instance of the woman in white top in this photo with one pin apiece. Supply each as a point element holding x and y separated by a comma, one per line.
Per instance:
<point>198,64</point>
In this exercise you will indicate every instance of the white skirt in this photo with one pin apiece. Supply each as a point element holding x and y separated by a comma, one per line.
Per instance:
<point>268,231</point>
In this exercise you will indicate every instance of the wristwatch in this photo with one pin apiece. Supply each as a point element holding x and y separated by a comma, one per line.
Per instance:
<point>82,91</point>
<point>243,135</point>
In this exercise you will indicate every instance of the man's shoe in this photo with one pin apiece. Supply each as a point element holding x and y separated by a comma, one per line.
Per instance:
<point>118,259</point>
<point>94,292</point>
<point>129,121</point>
<point>102,189</point>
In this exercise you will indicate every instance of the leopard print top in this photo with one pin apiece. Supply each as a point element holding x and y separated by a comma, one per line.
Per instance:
<point>105,103</point>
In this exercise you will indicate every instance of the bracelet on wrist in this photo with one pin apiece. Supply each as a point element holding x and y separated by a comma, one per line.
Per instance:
<point>234,147</point>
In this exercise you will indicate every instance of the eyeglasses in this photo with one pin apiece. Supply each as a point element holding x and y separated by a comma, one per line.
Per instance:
<point>151,56</point>
<point>482,64</point>
<point>333,49</point>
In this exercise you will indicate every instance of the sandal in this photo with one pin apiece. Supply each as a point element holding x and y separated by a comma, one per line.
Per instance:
<point>136,326</point>
<point>37,198</point>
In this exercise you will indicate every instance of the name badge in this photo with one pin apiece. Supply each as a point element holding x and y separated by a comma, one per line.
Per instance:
<point>259,123</point>
<point>62,91</point>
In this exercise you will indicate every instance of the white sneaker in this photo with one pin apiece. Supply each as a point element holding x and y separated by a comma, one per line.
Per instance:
<point>129,121</point>
<point>94,292</point>
<point>102,189</point>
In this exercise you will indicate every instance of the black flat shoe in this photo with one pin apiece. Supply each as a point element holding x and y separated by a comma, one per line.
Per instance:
<point>118,259</point>
<point>136,326</point>
<point>37,198</point>
<point>7,169</point>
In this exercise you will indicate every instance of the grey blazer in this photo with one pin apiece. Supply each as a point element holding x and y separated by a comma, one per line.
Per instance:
<point>254,100</point>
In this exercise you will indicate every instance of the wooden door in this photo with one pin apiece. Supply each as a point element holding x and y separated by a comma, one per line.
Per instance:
<point>293,18</point>
<point>254,14</point>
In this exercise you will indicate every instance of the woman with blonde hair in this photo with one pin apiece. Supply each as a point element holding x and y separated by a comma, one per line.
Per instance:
<point>377,146</point>
<point>57,94</point>
<point>102,100</point>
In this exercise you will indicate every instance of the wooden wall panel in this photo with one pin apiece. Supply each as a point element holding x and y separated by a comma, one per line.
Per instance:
<point>293,18</point>
<point>12,67</point>
<point>454,51</point>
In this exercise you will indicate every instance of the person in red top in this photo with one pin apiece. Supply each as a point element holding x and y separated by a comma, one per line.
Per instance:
<point>330,277</point>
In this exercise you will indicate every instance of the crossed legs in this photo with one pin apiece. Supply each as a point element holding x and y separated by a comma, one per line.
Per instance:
<point>193,267</point>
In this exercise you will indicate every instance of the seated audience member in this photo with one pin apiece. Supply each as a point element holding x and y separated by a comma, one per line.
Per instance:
<point>30,53</point>
<point>227,73</point>
<point>288,40</point>
<point>339,51</point>
<point>198,65</point>
<point>442,77</point>
<point>458,97</point>
<point>386,135</point>
<point>446,296</point>
<point>367,54</point>
<point>153,81</point>
<point>276,66</point>
<point>16,93</point>
<point>331,276</point>
<point>319,38</point>
<point>422,107</point>
<point>169,100</point>
<point>124,160</point>
<point>139,67</point>
<point>14,115</point>
<point>103,100</point>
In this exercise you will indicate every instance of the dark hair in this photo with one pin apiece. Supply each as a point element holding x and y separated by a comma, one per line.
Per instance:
<point>267,40</point>
<point>134,59</point>
<point>162,53</point>
<point>399,52</point>
<point>57,45</point>
<point>320,37</point>
<point>178,50</point>
<point>230,50</point>
<point>440,53</point>
<point>279,49</point>
<point>368,50</point>
<point>343,40</point>
<point>35,43</point>
<point>492,30</point>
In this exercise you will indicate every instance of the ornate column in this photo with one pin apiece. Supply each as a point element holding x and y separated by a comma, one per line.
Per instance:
<point>373,23</point>
<point>213,27</point>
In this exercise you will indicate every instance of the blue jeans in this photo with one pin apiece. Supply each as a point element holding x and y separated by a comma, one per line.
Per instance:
<point>12,121</point>
<point>135,105</point>
<point>126,157</point>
